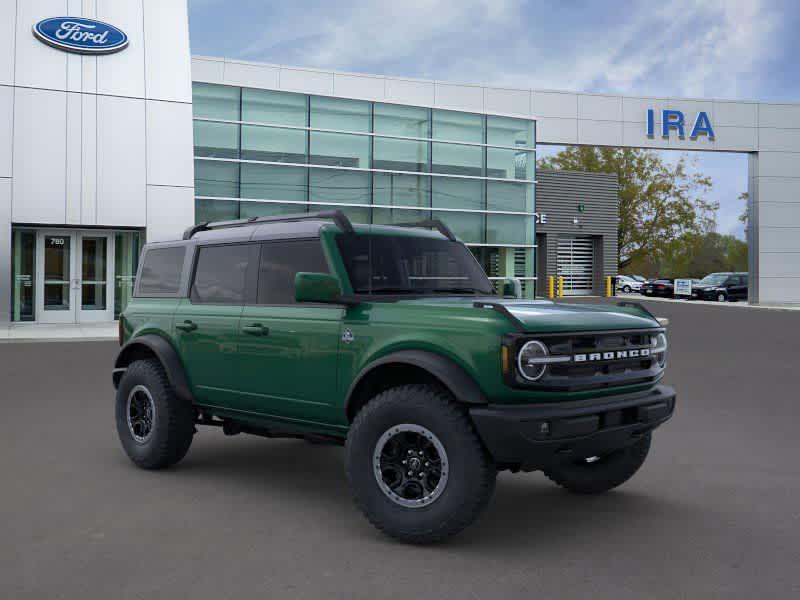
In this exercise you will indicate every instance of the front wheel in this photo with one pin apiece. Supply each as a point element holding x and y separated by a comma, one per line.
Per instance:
<point>599,474</point>
<point>626,289</point>
<point>417,469</point>
<point>721,297</point>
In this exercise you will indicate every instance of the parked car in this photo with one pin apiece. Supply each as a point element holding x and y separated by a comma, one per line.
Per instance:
<point>722,287</point>
<point>639,278</point>
<point>389,341</point>
<point>663,288</point>
<point>628,284</point>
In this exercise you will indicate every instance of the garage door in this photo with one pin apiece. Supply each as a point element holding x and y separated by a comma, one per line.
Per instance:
<point>576,264</point>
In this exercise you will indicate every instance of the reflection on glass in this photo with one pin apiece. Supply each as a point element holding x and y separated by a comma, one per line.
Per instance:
<point>507,131</point>
<point>457,126</point>
<point>337,113</point>
<point>269,209</point>
<point>281,108</point>
<point>509,196</point>
<point>127,247</point>
<point>388,216</point>
<point>273,144</point>
<point>339,150</point>
<point>355,213</point>
<point>457,159</point>
<point>451,192</point>
<point>273,182</point>
<point>406,121</point>
<point>23,259</point>
<point>401,190</point>
<point>216,178</point>
<point>509,229</point>
<point>400,155</point>
<point>215,101</point>
<point>334,185</point>
<point>220,140</point>
<point>56,272</point>
<point>509,164</point>
<point>467,226</point>
<point>93,273</point>
<point>206,211</point>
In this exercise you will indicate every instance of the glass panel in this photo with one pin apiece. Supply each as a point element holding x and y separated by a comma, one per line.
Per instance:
<point>273,144</point>
<point>457,193</point>
<point>282,108</point>
<point>402,190</point>
<point>127,247</point>
<point>509,229</point>
<point>93,273</point>
<point>212,178</point>
<point>387,216</point>
<point>507,131</point>
<point>339,150</point>
<point>23,258</point>
<point>457,126</point>
<point>56,272</point>
<point>467,226</point>
<point>161,270</point>
<point>340,114</point>
<point>220,140</point>
<point>219,275</point>
<point>400,155</point>
<point>509,164</point>
<point>273,182</point>
<point>334,185</point>
<point>457,159</point>
<point>280,262</point>
<point>407,121</point>
<point>269,209</point>
<point>503,195</point>
<point>356,214</point>
<point>215,101</point>
<point>206,211</point>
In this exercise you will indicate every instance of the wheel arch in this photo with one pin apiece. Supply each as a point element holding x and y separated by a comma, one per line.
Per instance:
<point>154,346</point>
<point>411,366</point>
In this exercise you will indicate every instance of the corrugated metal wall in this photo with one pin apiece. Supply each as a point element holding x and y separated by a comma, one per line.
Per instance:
<point>559,195</point>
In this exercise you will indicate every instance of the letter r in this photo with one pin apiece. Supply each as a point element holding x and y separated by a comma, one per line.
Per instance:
<point>672,119</point>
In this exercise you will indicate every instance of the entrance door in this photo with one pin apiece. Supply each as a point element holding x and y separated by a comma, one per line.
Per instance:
<point>575,262</point>
<point>73,272</point>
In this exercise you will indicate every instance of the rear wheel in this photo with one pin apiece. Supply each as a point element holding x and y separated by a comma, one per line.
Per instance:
<point>416,466</point>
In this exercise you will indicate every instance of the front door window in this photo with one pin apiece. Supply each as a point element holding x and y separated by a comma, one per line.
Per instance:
<point>57,273</point>
<point>93,273</point>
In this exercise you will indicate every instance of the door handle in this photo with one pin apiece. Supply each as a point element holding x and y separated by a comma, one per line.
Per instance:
<point>187,325</point>
<point>256,329</point>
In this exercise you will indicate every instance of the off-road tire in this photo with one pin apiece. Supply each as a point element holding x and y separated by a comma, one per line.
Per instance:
<point>173,425</point>
<point>471,476</point>
<point>606,473</point>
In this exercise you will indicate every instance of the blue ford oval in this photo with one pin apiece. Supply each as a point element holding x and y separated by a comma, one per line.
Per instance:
<point>84,36</point>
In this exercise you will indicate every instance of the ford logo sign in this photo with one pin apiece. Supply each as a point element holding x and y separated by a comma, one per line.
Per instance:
<point>84,36</point>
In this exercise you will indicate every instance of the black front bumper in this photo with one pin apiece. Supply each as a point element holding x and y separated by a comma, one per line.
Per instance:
<point>532,437</point>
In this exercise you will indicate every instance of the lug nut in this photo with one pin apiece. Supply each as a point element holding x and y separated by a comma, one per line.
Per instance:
<point>409,473</point>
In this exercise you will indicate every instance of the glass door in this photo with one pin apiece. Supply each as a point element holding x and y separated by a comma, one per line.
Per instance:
<point>56,277</point>
<point>94,275</point>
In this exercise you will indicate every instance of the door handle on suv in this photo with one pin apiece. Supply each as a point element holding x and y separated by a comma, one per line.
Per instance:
<point>256,329</point>
<point>187,325</point>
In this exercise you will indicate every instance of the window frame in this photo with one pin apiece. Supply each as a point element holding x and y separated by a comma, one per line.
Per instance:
<point>248,284</point>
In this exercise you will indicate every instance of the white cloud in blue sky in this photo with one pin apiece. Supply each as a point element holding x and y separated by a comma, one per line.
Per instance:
<point>743,49</point>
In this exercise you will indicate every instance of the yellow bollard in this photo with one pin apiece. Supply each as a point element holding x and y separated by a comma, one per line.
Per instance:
<point>551,287</point>
<point>608,286</point>
<point>561,287</point>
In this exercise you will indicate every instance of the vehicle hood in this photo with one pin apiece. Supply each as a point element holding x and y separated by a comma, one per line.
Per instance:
<point>545,316</point>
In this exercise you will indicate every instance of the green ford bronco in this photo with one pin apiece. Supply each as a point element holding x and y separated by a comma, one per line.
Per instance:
<point>391,341</point>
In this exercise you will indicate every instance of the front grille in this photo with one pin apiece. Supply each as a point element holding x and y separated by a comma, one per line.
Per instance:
<point>600,343</point>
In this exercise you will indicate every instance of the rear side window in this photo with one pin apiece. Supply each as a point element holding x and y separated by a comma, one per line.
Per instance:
<point>219,277</point>
<point>161,271</point>
<point>280,262</point>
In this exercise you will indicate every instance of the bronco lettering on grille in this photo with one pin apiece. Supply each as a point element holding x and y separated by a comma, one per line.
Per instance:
<point>615,355</point>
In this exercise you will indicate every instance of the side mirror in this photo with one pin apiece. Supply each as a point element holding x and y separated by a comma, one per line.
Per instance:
<point>512,288</point>
<point>316,287</point>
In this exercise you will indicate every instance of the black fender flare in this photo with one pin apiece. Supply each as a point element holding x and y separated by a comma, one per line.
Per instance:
<point>165,352</point>
<point>452,375</point>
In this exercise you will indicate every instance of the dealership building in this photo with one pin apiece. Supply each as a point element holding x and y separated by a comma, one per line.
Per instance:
<point>112,134</point>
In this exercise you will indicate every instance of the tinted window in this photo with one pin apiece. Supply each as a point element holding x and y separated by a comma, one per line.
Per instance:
<point>280,262</point>
<point>161,271</point>
<point>219,277</point>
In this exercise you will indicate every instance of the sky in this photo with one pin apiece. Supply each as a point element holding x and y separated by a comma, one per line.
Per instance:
<point>733,49</point>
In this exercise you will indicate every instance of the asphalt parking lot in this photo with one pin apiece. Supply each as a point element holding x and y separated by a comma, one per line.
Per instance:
<point>715,511</point>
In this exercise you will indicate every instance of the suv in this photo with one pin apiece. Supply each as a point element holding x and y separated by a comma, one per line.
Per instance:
<point>721,287</point>
<point>628,284</point>
<point>391,341</point>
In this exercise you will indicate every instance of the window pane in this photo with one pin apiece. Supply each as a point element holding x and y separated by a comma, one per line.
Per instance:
<point>356,214</point>
<point>503,195</point>
<point>273,182</point>
<point>207,211</point>
<point>161,271</point>
<point>23,259</point>
<point>216,139</point>
<point>339,150</point>
<point>457,159</point>
<point>387,216</point>
<point>215,101</point>
<point>273,144</point>
<point>407,121</point>
<point>401,190</point>
<point>509,229</point>
<point>282,108</point>
<point>334,185</point>
<point>127,247</point>
<point>280,262</point>
<point>400,155</point>
<point>457,126</point>
<point>269,209</point>
<point>213,178</point>
<point>506,131</point>
<point>457,193</point>
<point>336,113</point>
<point>509,164</point>
<point>467,226</point>
<point>220,274</point>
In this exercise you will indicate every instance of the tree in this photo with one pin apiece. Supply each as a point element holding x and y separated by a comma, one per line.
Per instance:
<point>659,202</point>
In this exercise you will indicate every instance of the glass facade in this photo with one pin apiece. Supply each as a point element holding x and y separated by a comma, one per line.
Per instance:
<point>263,152</point>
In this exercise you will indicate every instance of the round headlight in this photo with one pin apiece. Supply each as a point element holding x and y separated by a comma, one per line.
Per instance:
<point>658,345</point>
<point>530,360</point>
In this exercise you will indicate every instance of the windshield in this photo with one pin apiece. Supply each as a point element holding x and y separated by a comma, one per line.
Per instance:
<point>714,279</point>
<point>382,264</point>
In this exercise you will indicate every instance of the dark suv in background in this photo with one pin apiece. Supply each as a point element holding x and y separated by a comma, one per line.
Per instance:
<point>722,287</point>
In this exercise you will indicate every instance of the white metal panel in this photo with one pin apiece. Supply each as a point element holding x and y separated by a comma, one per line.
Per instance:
<point>89,159</point>
<point>121,169</point>
<point>170,210</point>
<point>358,86</point>
<point>738,139</point>
<point>122,73</point>
<point>37,64</point>
<point>209,70</point>
<point>779,290</point>
<point>507,102</point>
<point>779,115</point>
<point>555,104</point>
<point>464,97</point>
<point>8,22</point>
<point>408,91</point>
<point>74,75</point>
<point>600,133</point>
<point>306,81</point>
<point>6,125</point>
<point>557,131</point>
<point>74,159</point>
<point>635,135</point>
<point>166,33</point>
<point>250,75</point>
<point>777,239</point>
<point>634,109</point>
<point>779,214</point>
<point>599,108</point>
<point>169,143</point>
<point>779,264</point>
<point>779,189</point>
<point>735,114</point>
<point>781,140</point>
<point>778,164</point>
<point>39,156</point>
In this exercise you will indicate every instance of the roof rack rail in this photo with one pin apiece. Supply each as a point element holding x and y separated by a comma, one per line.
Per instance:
<point>443,229</point>
<point>337,216</point>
